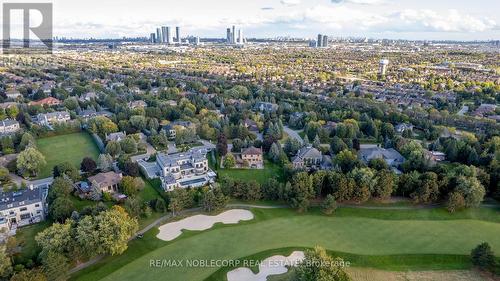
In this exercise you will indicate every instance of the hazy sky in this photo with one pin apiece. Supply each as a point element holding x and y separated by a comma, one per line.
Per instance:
<point>412,19</point>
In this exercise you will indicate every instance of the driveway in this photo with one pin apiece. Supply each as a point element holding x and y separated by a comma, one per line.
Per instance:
<point>463,110</point>
<point>293,134</point>
<point>150,150</point>
<point>207,145</point>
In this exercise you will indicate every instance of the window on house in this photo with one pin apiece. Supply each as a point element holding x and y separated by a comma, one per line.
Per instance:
<point>25,216</point>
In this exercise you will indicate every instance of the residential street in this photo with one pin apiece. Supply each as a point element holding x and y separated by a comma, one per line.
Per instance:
<point>293,134</point>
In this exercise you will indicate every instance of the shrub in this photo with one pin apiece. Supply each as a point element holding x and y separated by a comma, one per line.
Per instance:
<point>482,256</point>
<point>329,205</point>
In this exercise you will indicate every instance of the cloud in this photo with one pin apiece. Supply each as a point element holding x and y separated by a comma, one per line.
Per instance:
<point>347,19</point>
<point>432,21</point>
<point>290,2</point>
<point>304,20</point>
<point>360,2</point>
<point>342,17</point>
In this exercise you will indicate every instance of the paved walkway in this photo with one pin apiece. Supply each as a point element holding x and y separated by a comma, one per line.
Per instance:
<point>463,110</point>
<point>150,150</point>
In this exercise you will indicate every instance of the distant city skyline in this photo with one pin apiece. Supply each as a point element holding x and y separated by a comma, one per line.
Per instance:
<point>392,19</point>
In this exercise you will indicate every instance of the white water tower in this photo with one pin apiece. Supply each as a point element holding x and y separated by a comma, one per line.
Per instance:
<point>383,66</point>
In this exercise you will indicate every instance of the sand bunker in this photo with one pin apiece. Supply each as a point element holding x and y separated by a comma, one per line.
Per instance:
<point>172,230</point>
<point>274,265</point>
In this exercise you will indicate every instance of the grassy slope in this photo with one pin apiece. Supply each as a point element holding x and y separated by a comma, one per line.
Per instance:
<point>396,240</point>
<point>71,148</point>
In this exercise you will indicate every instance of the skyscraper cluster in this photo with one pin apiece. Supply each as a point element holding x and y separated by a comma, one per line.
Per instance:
<point>232,38</point>
<point>165,35</point>
<point>322,41</point>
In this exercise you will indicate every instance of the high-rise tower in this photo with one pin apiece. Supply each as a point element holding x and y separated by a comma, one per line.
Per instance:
<point>178,34</point>
<point>164,34</point>
<point>228,36</point>
<point>319,43</point>
<point>240,36</point>
<point>169,35</point>
<point>158,35</point>
<point>233,35</point>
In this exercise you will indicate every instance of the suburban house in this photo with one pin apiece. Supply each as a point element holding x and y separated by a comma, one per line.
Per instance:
<point>485,109</point>
<point>50,101</point>
<point>253,156</point>
<point>8,104</point>
<point>137,104</point>
<point>13,94</point>
<point>308,157</point>
<point>296,117</point>
<point>22,207</point>
<point>171,102</point>
<point>116,136</point>
<point>91,113</point>
<point>8,126</point>
<point>266,107</point>
<point>169,129</point>
<point>330,126</point>
<point>88,96</point>
<point>390,156</point>
<point>48,86</point>
<point>47,119</point>
<point>106,182</point>
<point>251,125</point>
<point>183,169</point>
<point>400,128</point>
<point>435,156</point>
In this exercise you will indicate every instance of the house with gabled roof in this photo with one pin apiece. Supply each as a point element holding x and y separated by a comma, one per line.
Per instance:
<point>390,155</point>
<point>9,126</point>
<point>308,158</point>
<point>253,156</point>
<point>106,182</point>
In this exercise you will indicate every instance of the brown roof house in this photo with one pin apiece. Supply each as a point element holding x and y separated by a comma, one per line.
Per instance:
<point>50,101</point>
<point>253,156</point>
<point>106,182</point>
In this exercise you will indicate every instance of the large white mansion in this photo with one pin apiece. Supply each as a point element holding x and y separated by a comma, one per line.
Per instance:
<point>182,169</point>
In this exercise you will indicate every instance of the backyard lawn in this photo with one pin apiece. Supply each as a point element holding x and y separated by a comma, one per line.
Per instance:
<point>425,239</point>
<point>260,175</point>
<point>70,148</point>
<point>26,238</point>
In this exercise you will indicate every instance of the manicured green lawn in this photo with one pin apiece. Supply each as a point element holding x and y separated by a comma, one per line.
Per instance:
<point>70,148</point>
<point>385,239</point>
<point>260,175</point>
<point>148,193</point>
<point>26,238</point>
